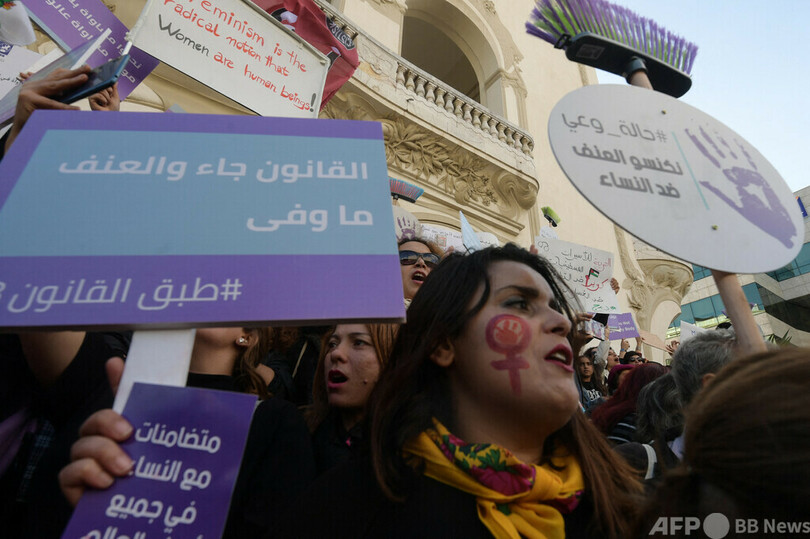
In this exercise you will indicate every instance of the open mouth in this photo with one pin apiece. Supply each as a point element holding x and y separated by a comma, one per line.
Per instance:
<point>418,277</point>
<point>336,378</point>
<point>562,356</point>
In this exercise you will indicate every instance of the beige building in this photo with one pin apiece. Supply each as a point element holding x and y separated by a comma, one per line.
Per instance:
<point>464,95</point>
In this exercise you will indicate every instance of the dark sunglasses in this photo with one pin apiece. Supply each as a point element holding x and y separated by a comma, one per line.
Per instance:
<point>409,258</point>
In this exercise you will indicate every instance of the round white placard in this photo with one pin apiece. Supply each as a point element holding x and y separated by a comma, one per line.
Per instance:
<point>676,178</point>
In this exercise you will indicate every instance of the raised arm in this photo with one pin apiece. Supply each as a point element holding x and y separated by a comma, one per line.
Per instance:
<point>749,338</point>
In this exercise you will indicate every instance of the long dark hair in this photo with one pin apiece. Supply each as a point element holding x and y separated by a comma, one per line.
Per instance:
<point>623,402</point>
<point>415,389</point>
<point>597,377</point>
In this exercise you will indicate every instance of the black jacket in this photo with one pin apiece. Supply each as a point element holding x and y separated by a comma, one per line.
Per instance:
<point>347,503</point>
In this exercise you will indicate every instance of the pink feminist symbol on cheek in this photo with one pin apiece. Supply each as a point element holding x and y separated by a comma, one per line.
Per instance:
<point>510,335</point>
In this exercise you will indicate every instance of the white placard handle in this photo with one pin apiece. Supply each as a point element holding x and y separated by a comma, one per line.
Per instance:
<point>156,357</point>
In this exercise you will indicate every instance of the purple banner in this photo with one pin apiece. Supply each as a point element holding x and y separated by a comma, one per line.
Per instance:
<point>158,291</point>
<point>187,447</point>
<point>622,326</point>
<point>150,220</point>
<point>73,22</point>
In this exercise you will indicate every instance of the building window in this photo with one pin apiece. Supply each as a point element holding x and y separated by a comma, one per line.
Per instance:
<point>430,49</point>
<point>708,312</point>
<point>701,272</point>
<point>799,266</point>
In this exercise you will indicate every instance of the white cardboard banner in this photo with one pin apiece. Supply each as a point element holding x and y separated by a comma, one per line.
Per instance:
<point>446,238</point>
<point>586,270</point>
<point>238,50</point>
<point>676,178</point>
<point>690,330</point>
<point>652,339</point>
<point>13,60</point>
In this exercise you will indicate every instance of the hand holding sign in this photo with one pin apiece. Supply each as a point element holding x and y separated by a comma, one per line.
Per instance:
<point>183,458</point>
<point>107,100</point>
<point>39,94</point>
<point>97,457</point>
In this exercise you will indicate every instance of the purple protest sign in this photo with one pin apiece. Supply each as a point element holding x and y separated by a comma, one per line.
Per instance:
<point>74,22</point>
<point>187,447</point>
<point>622,326</point>
<point>145,220</point>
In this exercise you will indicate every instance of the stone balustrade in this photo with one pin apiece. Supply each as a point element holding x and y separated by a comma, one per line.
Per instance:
<point>423,85</point>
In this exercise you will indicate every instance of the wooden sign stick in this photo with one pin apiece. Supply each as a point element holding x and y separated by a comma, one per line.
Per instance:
<point>156,357</point>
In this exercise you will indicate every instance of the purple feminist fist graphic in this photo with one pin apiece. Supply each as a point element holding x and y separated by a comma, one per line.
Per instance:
<point>510,335</point>
<point>758,203</point>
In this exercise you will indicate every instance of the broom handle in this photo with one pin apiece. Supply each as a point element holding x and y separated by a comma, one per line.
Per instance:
<point>638,73</point>
<point>640,79</point>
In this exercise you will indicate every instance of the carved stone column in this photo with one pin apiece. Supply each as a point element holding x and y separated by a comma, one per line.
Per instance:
<point>652,279</point>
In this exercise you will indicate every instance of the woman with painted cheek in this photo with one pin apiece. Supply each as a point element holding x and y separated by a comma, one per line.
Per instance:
<point>351,360</point>
<point>475,427</point>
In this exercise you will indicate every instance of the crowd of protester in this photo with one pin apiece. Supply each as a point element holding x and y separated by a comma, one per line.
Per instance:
<point>422,429</point>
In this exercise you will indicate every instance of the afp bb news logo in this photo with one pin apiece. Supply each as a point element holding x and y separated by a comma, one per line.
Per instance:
<point>718,526</point>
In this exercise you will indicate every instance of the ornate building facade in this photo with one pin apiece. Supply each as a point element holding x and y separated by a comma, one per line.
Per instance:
<point>464,96</point>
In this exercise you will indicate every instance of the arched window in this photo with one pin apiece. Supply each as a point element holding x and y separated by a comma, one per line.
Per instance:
<point>468,48</point>
<point>430,49</point>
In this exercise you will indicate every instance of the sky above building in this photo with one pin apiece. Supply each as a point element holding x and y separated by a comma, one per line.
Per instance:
<point>751,72</point>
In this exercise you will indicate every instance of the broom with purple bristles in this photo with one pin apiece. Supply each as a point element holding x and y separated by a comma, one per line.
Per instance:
<point>404,190</point>
<point>615,39</point>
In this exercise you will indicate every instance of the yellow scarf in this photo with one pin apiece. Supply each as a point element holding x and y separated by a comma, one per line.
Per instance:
<point>514,499</point>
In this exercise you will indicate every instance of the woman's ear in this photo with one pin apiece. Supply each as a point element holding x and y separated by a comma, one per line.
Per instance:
<point>246,339</point>
<point>444,354</point>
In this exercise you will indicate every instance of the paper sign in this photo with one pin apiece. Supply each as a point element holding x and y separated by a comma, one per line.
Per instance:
<point>15,25</point>
<point>72,23</point>
<point>446,238</point>
<point>676,178</point>
<point>622,326</point>
<point>690,330</point>
<point>13,60</point>
<point>585,269</point>
<point>548,232</point>
<point>178,220</point>
<point>187,447</point>
<point>238,50</point>
<point>652,339</point>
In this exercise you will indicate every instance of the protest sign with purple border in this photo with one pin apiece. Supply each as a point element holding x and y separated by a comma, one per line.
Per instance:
<point>622,326</point>
<point>180,220</point>
<point>75,22</point>
<point>187,447</point>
